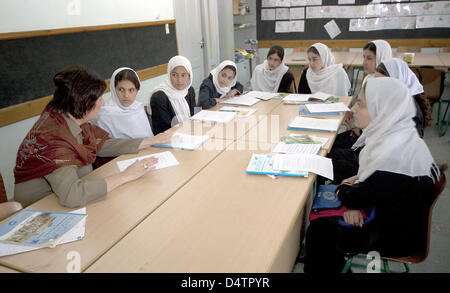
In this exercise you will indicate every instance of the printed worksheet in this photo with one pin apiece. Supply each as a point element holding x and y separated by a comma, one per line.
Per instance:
<point>165,159</point>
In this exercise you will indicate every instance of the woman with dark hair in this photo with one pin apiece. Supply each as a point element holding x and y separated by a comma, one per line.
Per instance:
<point>122,116</point>
<point>272,76</point>
<point>374,53</point>
<point>396,175</point>
<point>398,69</point>
<point>323,75</point>
<point>220,85</point>
<point>62,145</point>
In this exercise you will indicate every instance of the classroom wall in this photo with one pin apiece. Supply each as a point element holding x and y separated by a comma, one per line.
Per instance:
<point>28,15</point>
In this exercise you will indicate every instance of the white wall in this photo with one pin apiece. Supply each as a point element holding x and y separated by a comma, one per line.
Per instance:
<point>28,15</point>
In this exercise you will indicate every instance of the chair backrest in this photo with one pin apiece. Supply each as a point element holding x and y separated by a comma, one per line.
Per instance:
<point>340,49</point>
<point>432,81</point>
<point>297,72</point>
<point>444,49</point>
<point>408,49</point>
<point>3,197</point>
<point>293,87</point>
<point>438,188</point>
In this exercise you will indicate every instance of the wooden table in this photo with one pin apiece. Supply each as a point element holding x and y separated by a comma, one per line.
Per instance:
<point>445,59</point>
<point>223,220</point>
<point>5,270</point>
<point>110,220</point>
<point>235,128</point>
<point>275,125</point>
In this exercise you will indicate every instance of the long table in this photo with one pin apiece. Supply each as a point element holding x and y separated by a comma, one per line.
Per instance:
<point>204,215</point>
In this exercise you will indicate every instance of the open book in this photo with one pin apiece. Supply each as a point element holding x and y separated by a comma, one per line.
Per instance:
<point>304,162</point>
<point>39,228</point>
<point>263,164</point>
<point>184,142</point>
<point>214,116</point>
<point>244,100</point>
<point>304,98</point>
<point>261,95</point>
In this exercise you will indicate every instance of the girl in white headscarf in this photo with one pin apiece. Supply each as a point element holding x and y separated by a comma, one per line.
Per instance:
<point>323,75</point>
<point>396,176</point>
<point>272,76</point>
<point>122,116</point>
<point>398,69</point>
<point>374,53</point>
<point>173,101</point>
<point>221,84</point>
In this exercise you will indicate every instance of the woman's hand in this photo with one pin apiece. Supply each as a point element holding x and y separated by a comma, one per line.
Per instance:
<point>350,181</point>
<point>133,172</point>
<point>353,217</point>
<point>161,138</point>
<point>232,93</point>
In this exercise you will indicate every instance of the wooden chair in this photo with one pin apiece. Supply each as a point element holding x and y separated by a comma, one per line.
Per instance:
<point>7,208</point>
<point>340,49</point>
<point>297,72</point>
<point>444,50</point>
<point>411,259</point>
<point>409,49</point>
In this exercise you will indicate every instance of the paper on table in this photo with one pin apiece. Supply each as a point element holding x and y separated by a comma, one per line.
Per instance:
<point>301,162</point>
<point>323,140</point>
<point>240,112</point>
<point>297,148</point>
<point>241,100</point>
<point>76,234</point>
<point>260,95</point>
<point>165,159</point>
<point>296,98</point>
<point>185,141</point>
<point>314,123</point>
<point>321,108</point>
<point>214,116</point>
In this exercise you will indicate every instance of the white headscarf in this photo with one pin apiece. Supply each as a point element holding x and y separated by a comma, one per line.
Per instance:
<point>332,78</point>
<point>176,97</point>
<point>392,141</point>
<point>384,51</point>
<point>398,69</point>
<point>266,80</point>
<point>120,121</point>
<point>215,75</point>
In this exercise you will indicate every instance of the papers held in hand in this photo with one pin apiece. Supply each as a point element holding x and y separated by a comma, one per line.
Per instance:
<point>214,116</point>
<point>304,98</point>
<point>315,124</point>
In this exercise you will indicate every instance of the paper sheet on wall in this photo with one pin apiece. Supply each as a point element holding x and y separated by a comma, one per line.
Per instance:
<point>267,14</point>
<point>332,29</point>
<point>268,3</point>
<point>282,26</point>
<point>165,159</point>
<point>282,13</point>
<point>283,3</point>
<point>314,12</point>
<point>313,2</point>
<point>297,25</point>
<point>297,13</point>
<point>76,234</point>
<point>298,3</point>
<point>329,11</point>
<point>428,21</point>
<point>346,2</point>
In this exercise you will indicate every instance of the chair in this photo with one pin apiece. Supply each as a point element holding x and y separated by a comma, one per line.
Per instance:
<point>432,81</point>
<point>293,87</point>
<point>411,259</point>
<point>297,72</point>
<point>340,49</point>
<point>7,208</point>
<point>409,49</point>
<point>444,50</point>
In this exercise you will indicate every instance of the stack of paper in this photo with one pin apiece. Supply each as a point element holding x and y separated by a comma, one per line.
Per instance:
<point>303,98</point>
<point>240,112</point>
<point>184,142</point>
<point>301,162</point>
<point>214,116</point>
<point>324,109</point>
<point>297,148</point>
<point>314,124</point>
<point>294,138</point>
<point>165,159</point>
<point>243,100</point>
<point>75,233</point>
<point>261,95</point>
<point>263,164</point>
